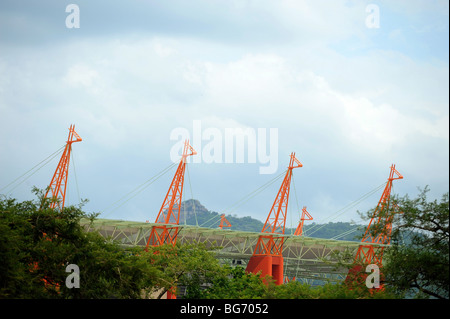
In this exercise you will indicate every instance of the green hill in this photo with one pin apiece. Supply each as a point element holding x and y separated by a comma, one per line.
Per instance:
<point>194,213</point>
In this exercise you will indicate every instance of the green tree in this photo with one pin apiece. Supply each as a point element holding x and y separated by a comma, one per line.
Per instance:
<point>297,290</point>
<point>418,261</point>
<point>235,283</point>
<point>188,265</point>
<point>37,244</point>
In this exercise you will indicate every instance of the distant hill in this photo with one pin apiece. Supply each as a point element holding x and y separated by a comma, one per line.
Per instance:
<point>197,214</point>
<point>194,213</point>
<point>331,230</point>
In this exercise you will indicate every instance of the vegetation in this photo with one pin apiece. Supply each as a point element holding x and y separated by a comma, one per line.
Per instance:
<point>416,265</point>
<point>197,214</point>
<point>194,213</point>
<point>334,229</point>
<point>235,283</point>
<point>189,266</point>
<point>37,244</point>
<point>420,268</point>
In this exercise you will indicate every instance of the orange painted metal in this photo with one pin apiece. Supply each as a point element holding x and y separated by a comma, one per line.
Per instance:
<point>383,215</point>
<point>267,257</point>
<point>57,192</point>
<point>305,216</point>
<point>381,221</point>
<point>224,222</point>
<point>58,185</point>
<point>169,213</point>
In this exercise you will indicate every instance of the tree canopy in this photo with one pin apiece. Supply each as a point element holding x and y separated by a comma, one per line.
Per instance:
<point>38,243</point>
<point>418,261</point>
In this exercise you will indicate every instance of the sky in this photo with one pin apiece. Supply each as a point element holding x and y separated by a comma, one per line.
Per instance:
<point>351,87</point>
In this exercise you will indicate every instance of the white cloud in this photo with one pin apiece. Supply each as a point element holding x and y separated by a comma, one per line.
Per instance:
<point>310,69</point>
<point>80,75</point>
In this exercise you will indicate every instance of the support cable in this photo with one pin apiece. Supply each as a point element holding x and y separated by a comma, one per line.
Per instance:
<point>32,171</point>
<point>246,198</point>
<point>192,195</point>
<point>347,232</point>
<point>343,210</point>
<point>296,200</point>
<point>252,194</point>
<point>214,219</point>
<point>133,193</point>
<point>76,179</point>
<point>357,228</point>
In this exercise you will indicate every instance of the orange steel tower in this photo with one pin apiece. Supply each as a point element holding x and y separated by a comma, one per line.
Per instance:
<point>169,214</point>
<point>224,222</point>
<point>58,184</point>
<point>299,230</point>
<point>267,257</point>
<point>57,188</point>
<point>378,231</point>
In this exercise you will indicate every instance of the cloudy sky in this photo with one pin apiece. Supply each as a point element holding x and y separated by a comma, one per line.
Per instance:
<point>350,86</point>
